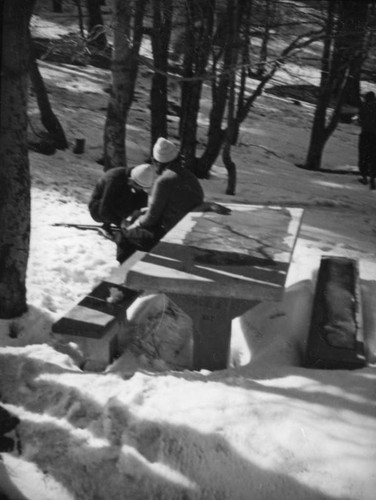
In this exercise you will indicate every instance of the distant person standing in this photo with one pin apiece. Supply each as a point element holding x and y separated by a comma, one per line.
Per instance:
<point>367,139</point>
<point>118,193</point>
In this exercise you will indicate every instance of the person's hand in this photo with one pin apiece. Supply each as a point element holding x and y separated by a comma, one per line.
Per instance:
<point>135,224</point>
<point>125,223</point>
<point>134,215</point>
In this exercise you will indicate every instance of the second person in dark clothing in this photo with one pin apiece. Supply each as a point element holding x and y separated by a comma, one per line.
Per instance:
<point>367,140</point>
<point>176,191</point>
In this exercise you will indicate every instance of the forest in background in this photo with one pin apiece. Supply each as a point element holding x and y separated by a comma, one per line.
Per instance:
<point>225,46</point>
<point>232,47</point>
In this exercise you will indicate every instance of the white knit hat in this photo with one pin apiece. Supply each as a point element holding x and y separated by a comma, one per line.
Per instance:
<point>164,151</point>
<point>143,175</point>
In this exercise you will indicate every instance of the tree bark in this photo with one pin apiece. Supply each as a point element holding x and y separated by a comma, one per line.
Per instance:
<point>124,76</point>
<point>317,139</point>
<point>160,38</point>
<point>232,124</point>
<point>237,17</point>
<point>14,163</point>
<point>80,17</point>
<point>220,85</point>
<point>97,37</point>
<point>199,31</point>
<point>337,63</point>
<point>230,167</point>
<point>354,19</point>
<point>57,6</point>
<point>269,18</point>
<point>226,42</point>
<point>48,117</point>
<point>120,95</point>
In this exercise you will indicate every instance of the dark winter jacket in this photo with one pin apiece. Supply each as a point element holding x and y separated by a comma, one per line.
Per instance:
<point>367,117</point>
<point>113,199</point>
<point>175,193</point>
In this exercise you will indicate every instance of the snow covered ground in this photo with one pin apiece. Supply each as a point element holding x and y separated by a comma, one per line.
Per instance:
<point>265,428</point>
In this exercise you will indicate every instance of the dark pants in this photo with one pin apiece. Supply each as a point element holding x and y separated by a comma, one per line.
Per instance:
<point>367,156</point>
<point>131,240</point>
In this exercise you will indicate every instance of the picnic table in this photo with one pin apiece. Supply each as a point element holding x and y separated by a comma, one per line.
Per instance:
<point>217,266</point>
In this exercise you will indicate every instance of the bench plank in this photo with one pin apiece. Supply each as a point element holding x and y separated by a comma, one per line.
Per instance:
<point>83,322</point>
<point>91,316</point>
<point>335,338</point>
<point>98,319</point>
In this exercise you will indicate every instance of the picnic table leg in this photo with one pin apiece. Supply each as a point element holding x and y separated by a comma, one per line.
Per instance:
<point>212,318</point>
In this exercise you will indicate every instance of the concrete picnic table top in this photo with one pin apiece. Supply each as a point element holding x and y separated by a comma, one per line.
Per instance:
<point>244,254</point>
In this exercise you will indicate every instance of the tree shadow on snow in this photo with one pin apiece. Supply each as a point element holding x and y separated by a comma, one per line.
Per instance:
<point>336,169</point>
<point>112,451</point>
<point>277,341</point>
<point>121,455</point>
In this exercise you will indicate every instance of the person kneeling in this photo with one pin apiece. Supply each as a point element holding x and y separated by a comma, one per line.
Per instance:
<point>118,193</point>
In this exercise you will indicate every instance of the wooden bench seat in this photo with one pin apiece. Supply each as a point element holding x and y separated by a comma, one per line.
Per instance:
<point>98,319</point>
<point>335,339</point>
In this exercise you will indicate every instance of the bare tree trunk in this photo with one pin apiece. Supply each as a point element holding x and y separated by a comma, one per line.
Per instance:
<point>120,95</point>
<point>199,31</point>
<point>188,121</point>
<point>124,76</point>
<point>355,19</point>
<point>321,131</point>
<point>57,6</point>
<point>336,67</point>
<point>232,125</point>
<point>48,118</point>
<point>95,27</point>
<point>225,41</point>
<point>216,133</point>
<point>237,16</point>
<point>80,17</point>
<point>269,15</point>
<point>160,38</point>
<point>318,139</point>
<point>318,135</point>
<point>14,163</point>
